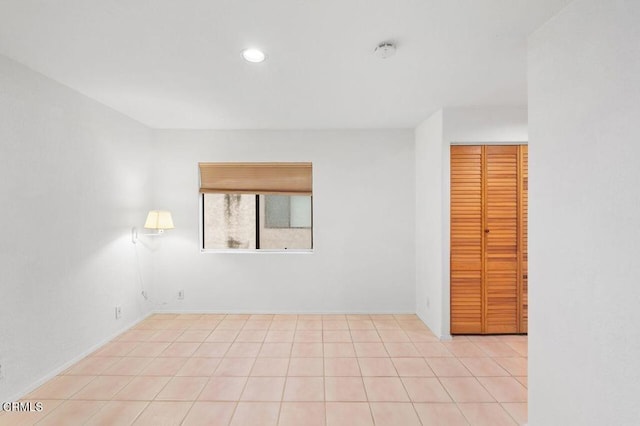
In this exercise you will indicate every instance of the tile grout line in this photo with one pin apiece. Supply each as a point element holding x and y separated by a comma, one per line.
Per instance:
<point>195,399</point>
<point>172,327</point>
<point>413,405</point>
<point>457,403</point>
<point>324,378</point>
<point>237,403</point>
<point>286,377</point>
<point>360,370</point>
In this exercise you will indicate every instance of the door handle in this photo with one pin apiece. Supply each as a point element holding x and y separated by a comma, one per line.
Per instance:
<point>486,231</point>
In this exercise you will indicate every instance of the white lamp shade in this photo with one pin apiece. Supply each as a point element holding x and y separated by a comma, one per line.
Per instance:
<point>159,219</point>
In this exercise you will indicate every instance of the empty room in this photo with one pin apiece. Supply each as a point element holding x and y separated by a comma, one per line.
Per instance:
<point>291,212</point>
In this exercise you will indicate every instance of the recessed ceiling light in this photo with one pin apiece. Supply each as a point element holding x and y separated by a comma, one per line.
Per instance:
<point>253,55</point>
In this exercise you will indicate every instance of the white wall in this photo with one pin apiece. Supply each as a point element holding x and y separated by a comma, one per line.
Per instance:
<point>73,180</point>
<point>584,94</point>
<point>429,231</point>
<point>363,199</point>
<point>433,138</point>
<point>485,125</point>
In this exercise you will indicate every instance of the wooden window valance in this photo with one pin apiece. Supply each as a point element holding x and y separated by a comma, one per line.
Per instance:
<point>256,178</point>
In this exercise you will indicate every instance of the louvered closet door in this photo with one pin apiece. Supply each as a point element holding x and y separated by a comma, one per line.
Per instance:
<point>466,239</point>
<point>501,239</point>
<point>524,240</point>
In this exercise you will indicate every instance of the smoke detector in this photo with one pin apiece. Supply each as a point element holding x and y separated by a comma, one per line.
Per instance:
<point>385,50</point>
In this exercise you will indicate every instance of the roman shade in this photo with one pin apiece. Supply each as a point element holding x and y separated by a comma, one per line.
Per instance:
<point>256,178</point>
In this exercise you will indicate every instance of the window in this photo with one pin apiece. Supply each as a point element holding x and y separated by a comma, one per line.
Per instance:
<point>285,221</point>
<point>256,206</point>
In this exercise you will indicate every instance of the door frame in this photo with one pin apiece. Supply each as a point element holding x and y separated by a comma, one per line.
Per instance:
<point>446,221</point>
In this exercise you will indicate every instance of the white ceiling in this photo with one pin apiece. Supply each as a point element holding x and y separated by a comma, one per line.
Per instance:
<point>177,63</point>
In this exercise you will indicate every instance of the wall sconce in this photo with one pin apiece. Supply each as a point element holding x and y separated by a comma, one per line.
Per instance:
<point>159,220</point>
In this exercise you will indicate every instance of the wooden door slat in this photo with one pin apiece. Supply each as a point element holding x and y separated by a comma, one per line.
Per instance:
<point>466,239</point>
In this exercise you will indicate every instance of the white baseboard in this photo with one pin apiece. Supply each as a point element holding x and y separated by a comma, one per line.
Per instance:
<point>76,359</point>
<point>106,340</point>
<point>276,312</point>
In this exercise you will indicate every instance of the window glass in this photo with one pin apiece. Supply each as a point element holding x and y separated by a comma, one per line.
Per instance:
<point>300,211</point>
<point>229,221</point>
<point>285,222</point>
<point>277,211</point>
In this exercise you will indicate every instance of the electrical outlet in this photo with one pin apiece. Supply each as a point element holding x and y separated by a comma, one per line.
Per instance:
<point>118,312</point>
<point>180,294</point>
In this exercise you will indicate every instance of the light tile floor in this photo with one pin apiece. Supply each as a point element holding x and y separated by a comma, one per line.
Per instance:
<point>330,370</point>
